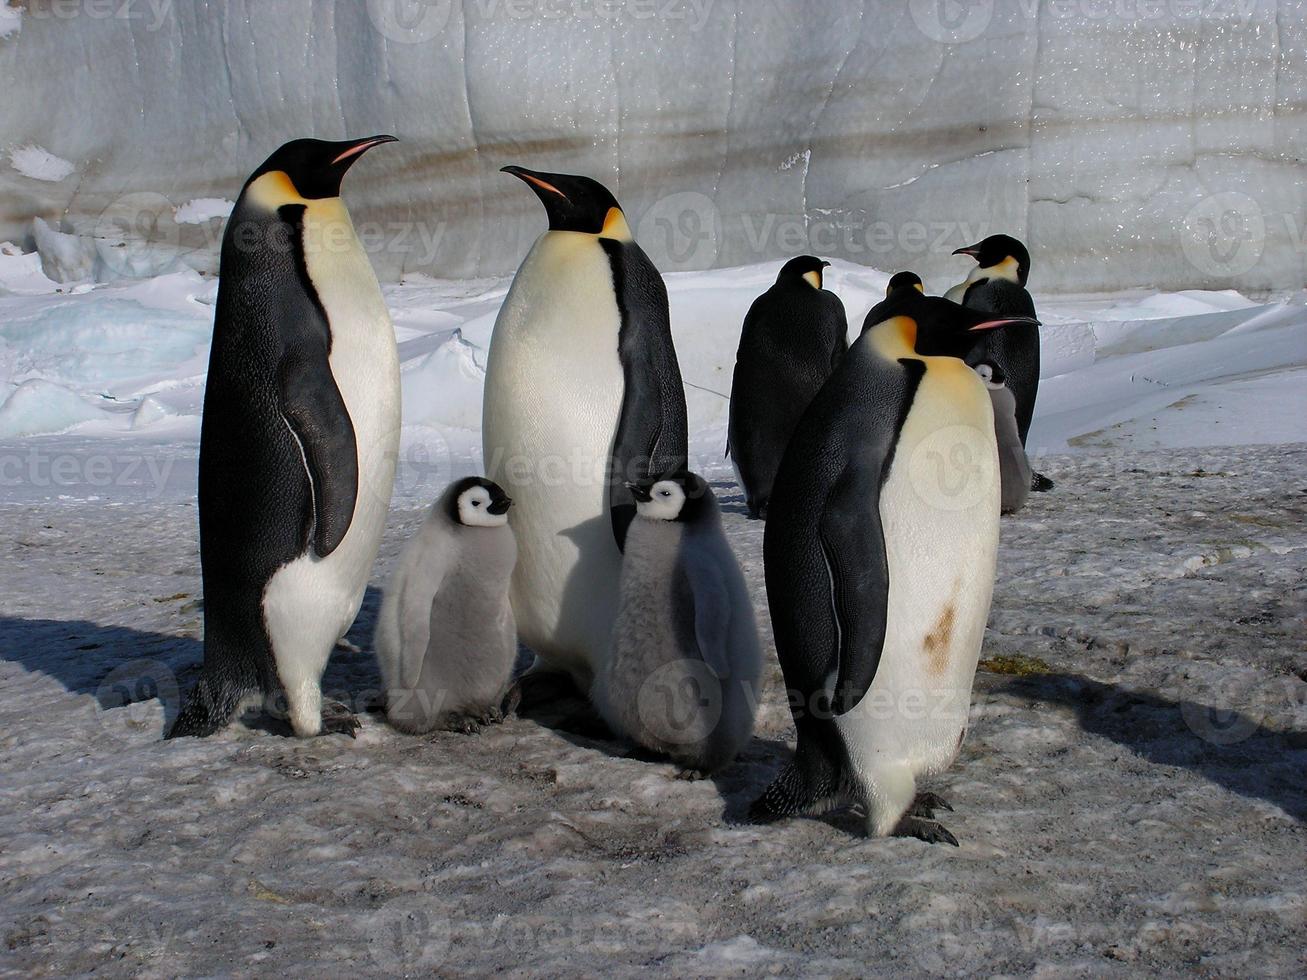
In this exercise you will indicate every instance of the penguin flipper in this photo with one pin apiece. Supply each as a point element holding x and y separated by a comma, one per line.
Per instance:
<point>712,613</point>
<point>852,543</point>
<point>314,410</point>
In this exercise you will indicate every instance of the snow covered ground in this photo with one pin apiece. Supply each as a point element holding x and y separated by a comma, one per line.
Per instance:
<point>1130,797</point>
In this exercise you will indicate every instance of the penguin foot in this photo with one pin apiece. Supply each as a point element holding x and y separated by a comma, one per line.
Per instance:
<point>464,724</point>
<point>931,831</point>
<point>337,719</point>
<point>926,804</point>
<point>690,775</point>
<point>1041,484</point>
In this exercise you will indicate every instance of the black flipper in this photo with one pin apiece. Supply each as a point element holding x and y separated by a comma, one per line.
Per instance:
<point>315,411</point>
<point>652,433</point>
<point>825,561</point>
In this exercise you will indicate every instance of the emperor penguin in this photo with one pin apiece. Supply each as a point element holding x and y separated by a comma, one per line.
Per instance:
<point>794,334</point>
<point>297,444</point>
<point>904,280</point>
<point>879,557</point>
<point>997,285</point>
<point>583,394</point>
<point>446,640</point>
<point>1014,468</point>
<point>682,677</point>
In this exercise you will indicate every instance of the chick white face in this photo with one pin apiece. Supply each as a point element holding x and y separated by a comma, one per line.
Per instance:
<point>476,508</point>
<point>666,498</point>
<point>986,372</point>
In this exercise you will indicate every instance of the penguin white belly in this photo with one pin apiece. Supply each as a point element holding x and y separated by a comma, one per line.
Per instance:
<point>310,602</point>
<point>553,397</point>
<point>940,512</point>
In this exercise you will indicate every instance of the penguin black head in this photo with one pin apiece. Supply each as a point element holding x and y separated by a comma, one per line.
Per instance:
<point>904,280</point>
<point>676,497</point>
<point>574,203</point>
<point>316,167</point>
<point>475,501</point>
<point>1003,254</point>
<point>991,374</point>
<point>933,325</point>
<point>806,267</point>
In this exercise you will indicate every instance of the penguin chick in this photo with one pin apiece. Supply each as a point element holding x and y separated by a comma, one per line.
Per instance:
<point>682,676</point>
<point>1014,467</point>
<point>446,638</point>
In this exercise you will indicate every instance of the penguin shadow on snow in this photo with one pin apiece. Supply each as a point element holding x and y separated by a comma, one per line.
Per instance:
<point>1223,745</point>
<point>120,665</point>
<point>117,665</point>
<point>730,498</point>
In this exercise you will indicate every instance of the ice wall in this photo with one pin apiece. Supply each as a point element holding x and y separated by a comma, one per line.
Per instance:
<point>1131,142</point>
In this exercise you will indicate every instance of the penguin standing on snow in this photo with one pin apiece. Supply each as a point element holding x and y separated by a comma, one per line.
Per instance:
<point>446,641</point>
<point>880,555</point>
<point>298,441</point>
<point>682,675</point>
<point>793,336</point>
<point>1014,468</point>
<point>583,394</point>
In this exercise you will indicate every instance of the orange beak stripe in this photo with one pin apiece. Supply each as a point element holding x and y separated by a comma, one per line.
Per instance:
<point>543,185</point>
<point>354,151</point>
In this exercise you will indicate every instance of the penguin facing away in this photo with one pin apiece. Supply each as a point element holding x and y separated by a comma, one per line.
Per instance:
<point>298,441</point>
<point>446,640</point>
<point>583,394</point>
<point>880,557</point>
<point>904,280</point>
<point>997,285</point>
<point>793,336</point>
<point>682,678</point>
<point>1014,467</point>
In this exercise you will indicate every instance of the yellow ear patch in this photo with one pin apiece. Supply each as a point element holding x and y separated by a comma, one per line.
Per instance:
<point>814,278</point>
<point>895,337</point>
<point>919,287</point>
<point>273,190</point>
<point>615,226</point>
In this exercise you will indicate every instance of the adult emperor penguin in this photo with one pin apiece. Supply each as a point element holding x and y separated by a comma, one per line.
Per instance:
<point>583,394</point>
<point>445,639</point>
<point>997,285</point>
<point>904,280</point>
<point>880,555</point>
<point>682,676</point>
<point>793,336</point>
<point>1014,467</point>
<point>297,444</point>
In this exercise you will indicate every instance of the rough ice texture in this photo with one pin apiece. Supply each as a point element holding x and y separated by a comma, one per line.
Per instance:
<point>1129,143</point>
<point>1129,801</point>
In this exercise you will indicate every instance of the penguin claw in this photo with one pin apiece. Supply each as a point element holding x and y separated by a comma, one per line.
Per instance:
<point>690,775</point>
<point>338,720</point>
<point>926,804</point>
<point>930,831</point>
<point>347,646</point>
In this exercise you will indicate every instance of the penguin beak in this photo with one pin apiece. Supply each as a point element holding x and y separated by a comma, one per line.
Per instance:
<point>500,506</point>
<point>642,494</point>
<point>538,183</point>
<point>825,264</point>
<point>972,250</point>
<point>358,149</point>
<point>1007,322</point>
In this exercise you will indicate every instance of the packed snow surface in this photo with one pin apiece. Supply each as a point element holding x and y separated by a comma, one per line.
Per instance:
<point>1129,798</point>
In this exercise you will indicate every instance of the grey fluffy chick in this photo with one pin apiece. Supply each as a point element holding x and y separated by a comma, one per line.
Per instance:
<point>682,675</point>
<point>446,639</point>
